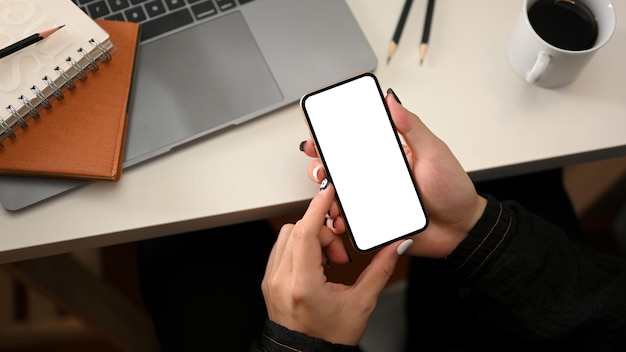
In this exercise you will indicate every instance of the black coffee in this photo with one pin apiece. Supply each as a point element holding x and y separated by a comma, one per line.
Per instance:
<point>568,25</point>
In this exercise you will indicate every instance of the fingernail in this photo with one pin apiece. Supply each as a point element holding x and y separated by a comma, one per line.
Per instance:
<point>404,246</point>
<point>390,91</point>
<point>315,172</point>
<point>302,146</point>
<point>324,184</point>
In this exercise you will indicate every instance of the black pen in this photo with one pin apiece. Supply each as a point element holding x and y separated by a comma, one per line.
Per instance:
<point>396,35</point>
<point>27,41</point>
<point>426,32</point>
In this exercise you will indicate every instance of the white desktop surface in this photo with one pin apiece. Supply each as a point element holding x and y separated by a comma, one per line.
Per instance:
<point>495,123</point>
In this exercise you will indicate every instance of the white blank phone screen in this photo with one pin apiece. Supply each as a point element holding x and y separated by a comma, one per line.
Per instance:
<point>361,152</point>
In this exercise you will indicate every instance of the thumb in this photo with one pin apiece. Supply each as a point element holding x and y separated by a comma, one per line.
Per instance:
<point>410,126</point>
<point>374,278</point>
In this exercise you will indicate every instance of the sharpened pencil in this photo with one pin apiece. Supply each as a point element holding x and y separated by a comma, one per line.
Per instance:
<point>399,27</point>
<point>28,41</point>
<point>426,32</point>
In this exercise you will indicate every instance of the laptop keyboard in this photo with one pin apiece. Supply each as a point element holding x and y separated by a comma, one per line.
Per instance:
<point>157,17</point>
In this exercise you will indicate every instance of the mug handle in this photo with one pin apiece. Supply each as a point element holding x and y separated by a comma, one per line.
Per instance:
<point>543,59</point>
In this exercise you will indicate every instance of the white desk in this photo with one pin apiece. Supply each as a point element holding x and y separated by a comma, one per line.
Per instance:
<point>495,123</point>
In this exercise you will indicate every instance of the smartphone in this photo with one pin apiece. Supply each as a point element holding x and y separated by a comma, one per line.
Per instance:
<point>363,156</point>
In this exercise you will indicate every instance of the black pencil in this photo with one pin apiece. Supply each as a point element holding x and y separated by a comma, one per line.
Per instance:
<point>426,32</point>
<point>398,33</point>
<point>28,41</point>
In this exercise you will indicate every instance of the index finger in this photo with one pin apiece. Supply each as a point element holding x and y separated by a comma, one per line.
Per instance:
<point>315,216</point>
<point>306,236</point>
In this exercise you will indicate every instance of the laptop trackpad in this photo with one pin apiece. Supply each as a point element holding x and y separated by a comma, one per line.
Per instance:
<point>195,82</point>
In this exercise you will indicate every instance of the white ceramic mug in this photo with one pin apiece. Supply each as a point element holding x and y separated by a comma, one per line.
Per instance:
<point>545,65</point>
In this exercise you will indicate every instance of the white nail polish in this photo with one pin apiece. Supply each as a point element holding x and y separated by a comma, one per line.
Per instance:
<point>404,246</point>
<point>315,172</point>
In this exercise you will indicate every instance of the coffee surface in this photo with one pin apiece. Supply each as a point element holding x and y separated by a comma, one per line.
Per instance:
<point>568,25</point>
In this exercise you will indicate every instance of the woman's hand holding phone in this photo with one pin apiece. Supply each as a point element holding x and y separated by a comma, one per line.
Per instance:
<point>297,293</point>
<point>447,192</point>
<point>356,140</point>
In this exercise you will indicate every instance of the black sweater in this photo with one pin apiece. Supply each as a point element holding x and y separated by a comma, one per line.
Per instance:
<point>526,282</point>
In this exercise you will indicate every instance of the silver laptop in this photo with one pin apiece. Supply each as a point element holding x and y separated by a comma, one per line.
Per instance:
<point>207,65</point>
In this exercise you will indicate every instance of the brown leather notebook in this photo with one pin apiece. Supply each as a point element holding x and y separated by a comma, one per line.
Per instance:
<point>82,135</point>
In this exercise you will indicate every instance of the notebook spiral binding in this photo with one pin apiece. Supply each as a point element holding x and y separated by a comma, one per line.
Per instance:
<point>53,87</point>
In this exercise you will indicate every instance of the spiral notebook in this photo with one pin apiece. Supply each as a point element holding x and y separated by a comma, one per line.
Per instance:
<point>45,128</point>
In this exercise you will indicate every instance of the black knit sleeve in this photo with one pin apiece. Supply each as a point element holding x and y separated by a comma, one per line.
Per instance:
<point>527,280</point>
<point>277,338</point>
